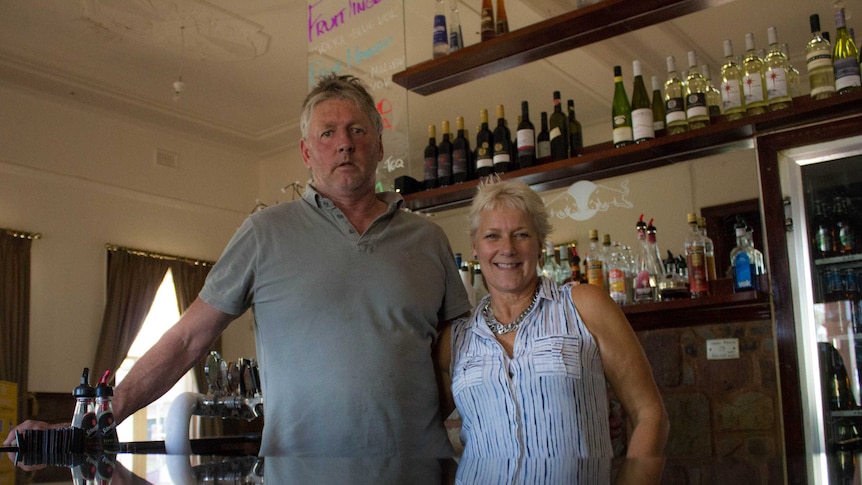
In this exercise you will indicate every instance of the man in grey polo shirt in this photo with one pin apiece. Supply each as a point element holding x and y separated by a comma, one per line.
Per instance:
<point>348,292</point>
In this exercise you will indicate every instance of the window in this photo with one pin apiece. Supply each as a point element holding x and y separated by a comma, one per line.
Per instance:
<point>148,424</point>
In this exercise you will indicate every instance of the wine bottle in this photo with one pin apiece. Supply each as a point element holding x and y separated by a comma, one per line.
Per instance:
<point>488,28</point>
<point>641,108</point>
<point>695,257</point>
<point>713,97</point>
<point>460,153</point>
<point>559,133</point>
<point>732,97</point>
<point>818,62</point>
<point>456,39</point>
<point>621,111</point>
<point>674,100</point>
<point>696,109</point>
<point>526,138</point>
<point>753,84</point>
<point>441,37</point>
<point>793,75</point>
<point>658,113</point>
<point>845,57</point>
<point>431,158</point>
<point>484,147</point>
<point>444,158</point>
<point>576,137</point>
<point>777,90</point>
<point>502,143</point>
<point>502,23</point>
<point>543,142</point>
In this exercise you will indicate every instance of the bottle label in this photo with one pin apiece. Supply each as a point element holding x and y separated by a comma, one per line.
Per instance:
<point>643,288</point>
<point>776,83</point>
<point>440,37</point>
<point>642,124</point>
<point>696,260</point>
<point>108,431</point>
<point>526,140</point>
<point>502,157</point>
<point>444,165</point>
<point>617,282</point>
<point>742,272</point>
<point>543,149</point>
<point>483,158</point>
<point>674,110</point>
<point>846,73</point>
<point>556,133</point>
<point>623,134</point>
<point>820,58</point>
<point>455,38</point>
<point>696,105</point>
<point>595,273</point>
<point>488,28</point>
<point>731,96</point>
<point>459,160</point>
<point>430,168</point>
<point>752,87</point>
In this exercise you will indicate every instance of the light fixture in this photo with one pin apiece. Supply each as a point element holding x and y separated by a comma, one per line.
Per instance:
<point>179,85</point>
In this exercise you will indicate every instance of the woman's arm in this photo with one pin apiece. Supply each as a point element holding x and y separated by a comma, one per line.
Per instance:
<point>627,370</point>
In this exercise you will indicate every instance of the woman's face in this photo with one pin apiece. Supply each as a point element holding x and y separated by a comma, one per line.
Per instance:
<point>508,249</point>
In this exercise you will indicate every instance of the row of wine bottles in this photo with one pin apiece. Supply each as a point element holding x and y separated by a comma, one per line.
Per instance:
<point>452,160</point>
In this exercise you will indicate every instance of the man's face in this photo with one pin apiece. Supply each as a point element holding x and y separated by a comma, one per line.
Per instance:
<point>342,149</point>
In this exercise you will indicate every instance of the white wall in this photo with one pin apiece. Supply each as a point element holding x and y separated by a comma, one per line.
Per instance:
<point>83,178</point>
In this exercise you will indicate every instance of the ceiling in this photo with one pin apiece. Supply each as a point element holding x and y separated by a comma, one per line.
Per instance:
<point>243,62</point>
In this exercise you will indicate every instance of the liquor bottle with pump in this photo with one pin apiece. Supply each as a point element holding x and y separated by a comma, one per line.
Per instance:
<point>646,274</point>
<point>105,415</point>
<point>674,100</point>
<point>526,138</point>
<point>484,147</point>
<point>431,158</point>
<point>818,62</point>
<point>576,137</point>
<point>732,91</point>
<point>777,65</point>
<point>501,25</point>
<point>753,83</point>
<point>713,97</point>
<point>461,166</point>
<point>696,108</point>
<point>658,113</point>
<point>641,108</point>
<point>698,284</point>
<point>440,37</point>
<point>444,158</point>
<point>652,243</point>
<point>502,143</point>
<point>621,112</point>
<point>456,39</point>
<point>559,131</point>
<point>84,416</point>
<point>543,142</point>
<point>488,28</point>
<point>845,57</point>
<point>594,261</point>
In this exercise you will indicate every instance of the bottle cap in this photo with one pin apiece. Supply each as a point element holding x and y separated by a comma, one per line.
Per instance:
<point>84,389</point>
<point>728,48</point>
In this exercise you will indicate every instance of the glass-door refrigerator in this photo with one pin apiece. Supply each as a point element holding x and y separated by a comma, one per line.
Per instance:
<point>822,185</point>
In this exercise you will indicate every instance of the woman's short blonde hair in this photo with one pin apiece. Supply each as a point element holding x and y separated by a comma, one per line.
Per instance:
<point>493,192</point>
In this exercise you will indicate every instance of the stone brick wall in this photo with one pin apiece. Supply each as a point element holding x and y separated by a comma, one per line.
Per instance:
<point>725,415</point>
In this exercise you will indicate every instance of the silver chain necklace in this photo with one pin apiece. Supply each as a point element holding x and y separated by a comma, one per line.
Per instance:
<point>500,329</point>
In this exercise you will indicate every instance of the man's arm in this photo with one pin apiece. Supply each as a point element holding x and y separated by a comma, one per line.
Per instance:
<point>180,348</point>
<point>442,355</point>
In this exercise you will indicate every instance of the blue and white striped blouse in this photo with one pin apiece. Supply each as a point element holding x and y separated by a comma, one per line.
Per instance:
<point>548,400</point>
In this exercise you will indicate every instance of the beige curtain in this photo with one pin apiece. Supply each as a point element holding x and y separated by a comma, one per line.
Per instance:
<point>133,280</point>
<point>15,311</point>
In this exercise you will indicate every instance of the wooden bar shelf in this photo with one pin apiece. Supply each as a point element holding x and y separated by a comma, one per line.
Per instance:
<point>603,160</point>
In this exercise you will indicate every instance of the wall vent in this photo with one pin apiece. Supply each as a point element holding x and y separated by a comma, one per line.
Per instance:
<point>166,159</point>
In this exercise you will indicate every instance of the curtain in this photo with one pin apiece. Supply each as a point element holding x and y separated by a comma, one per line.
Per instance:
<point>15,312</point>
<point>133,281</point>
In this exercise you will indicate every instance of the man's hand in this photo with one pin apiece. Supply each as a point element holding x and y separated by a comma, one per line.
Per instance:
<point>29,424</point>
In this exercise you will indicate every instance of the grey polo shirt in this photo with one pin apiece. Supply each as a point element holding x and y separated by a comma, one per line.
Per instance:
<point>344,324</point>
